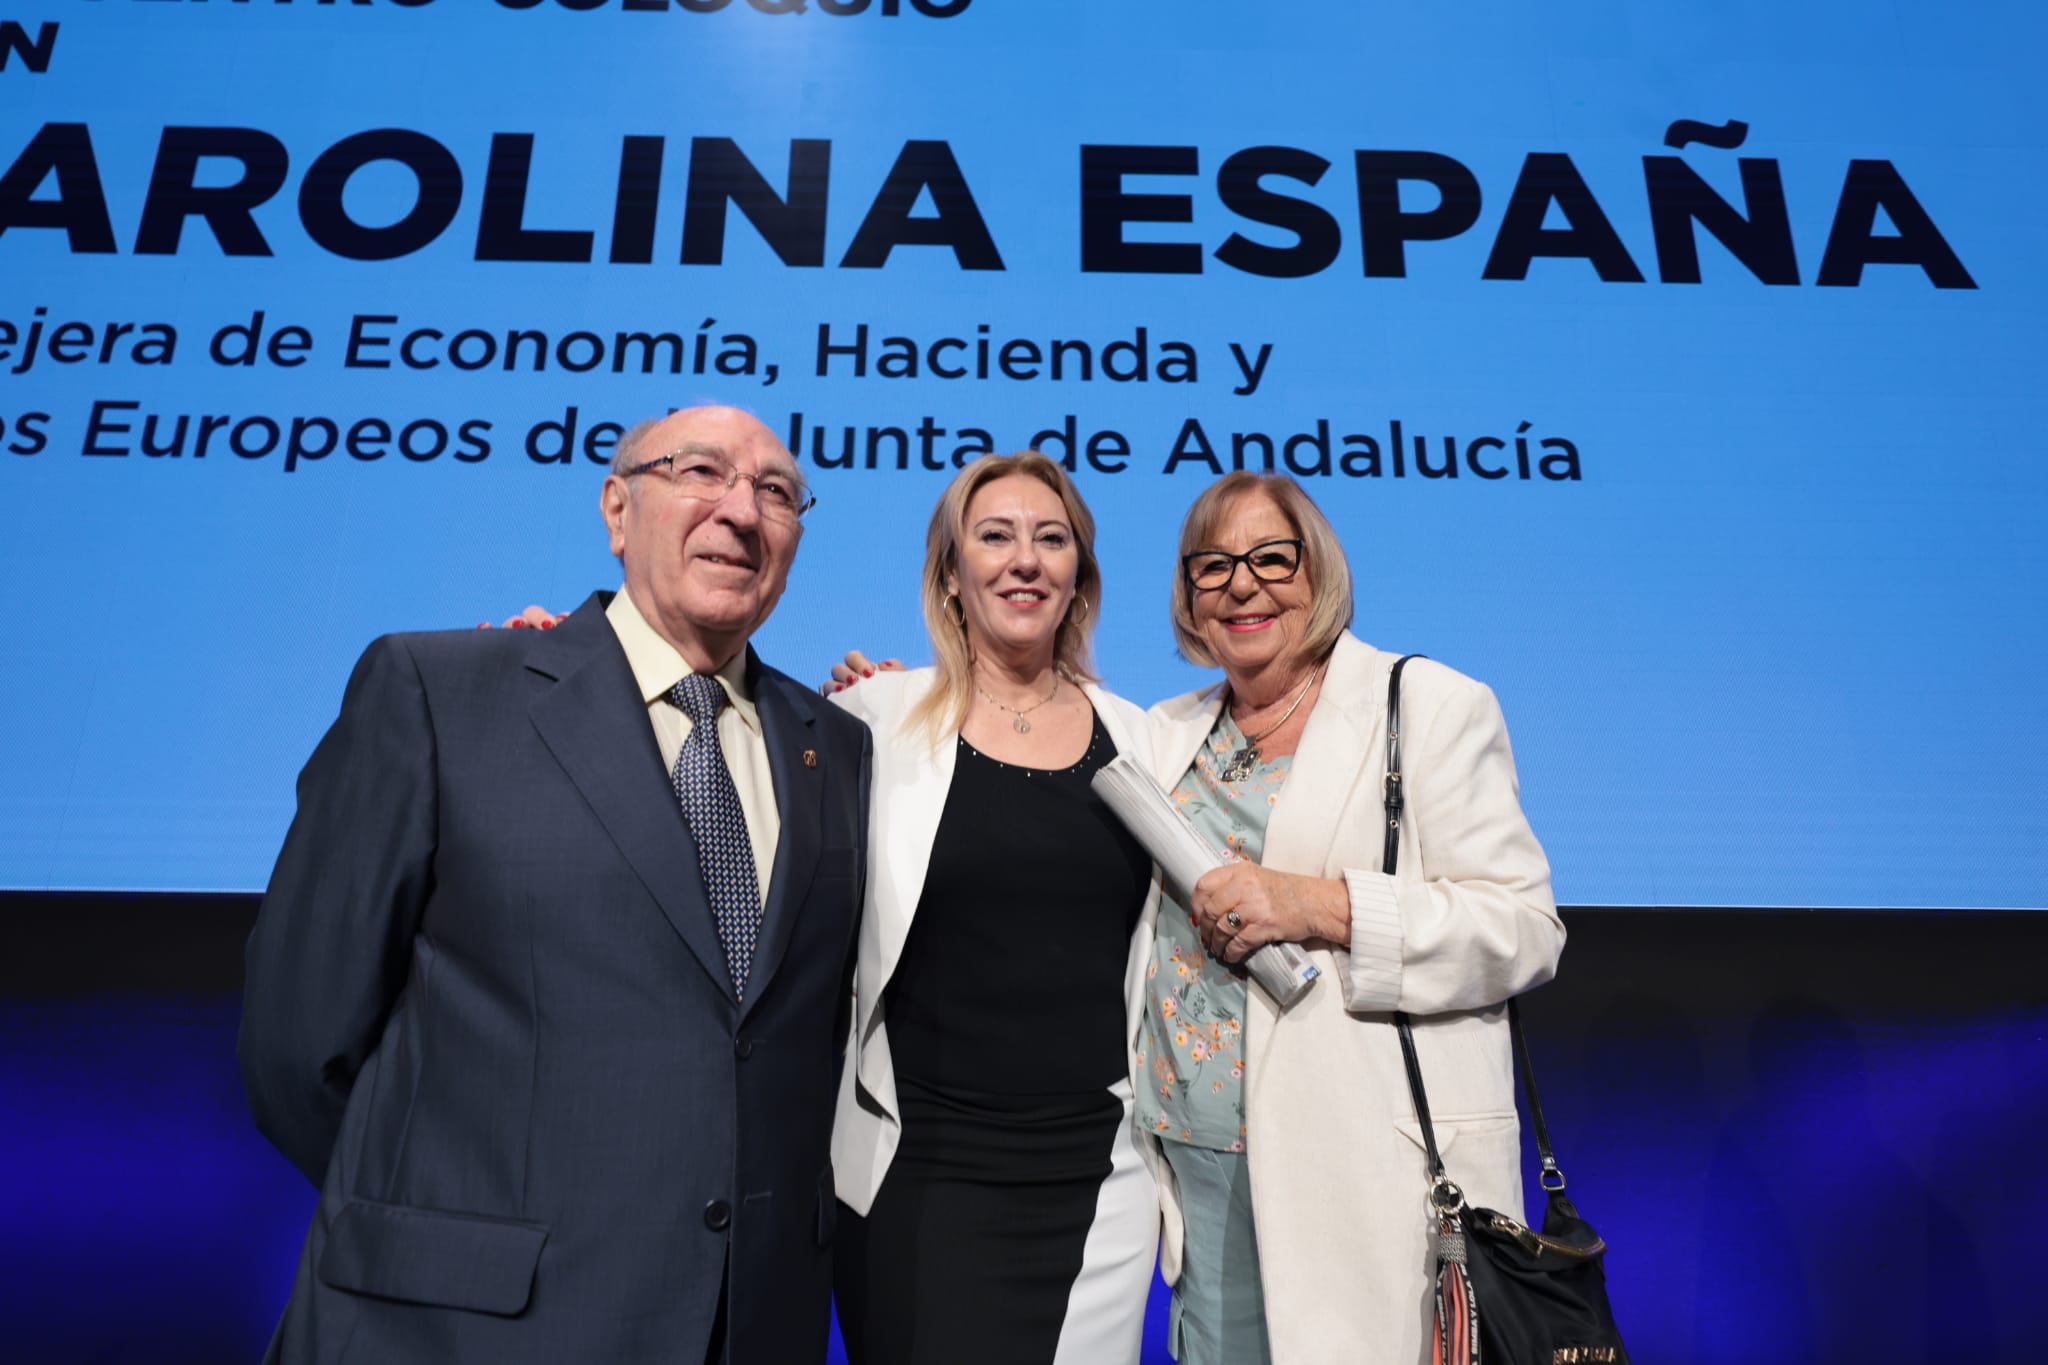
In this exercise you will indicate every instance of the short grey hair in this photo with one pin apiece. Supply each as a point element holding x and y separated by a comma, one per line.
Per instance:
<point>626,453</point>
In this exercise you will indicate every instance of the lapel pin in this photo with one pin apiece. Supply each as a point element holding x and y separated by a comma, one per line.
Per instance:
<point>810,758</point>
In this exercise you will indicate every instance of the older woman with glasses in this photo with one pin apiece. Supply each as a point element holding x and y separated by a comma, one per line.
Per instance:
<point>1293,1177</point>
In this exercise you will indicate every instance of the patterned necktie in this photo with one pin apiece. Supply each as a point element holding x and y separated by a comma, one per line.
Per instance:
<point>711,804</point>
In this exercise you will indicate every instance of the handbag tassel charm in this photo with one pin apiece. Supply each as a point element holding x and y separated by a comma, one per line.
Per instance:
<point>1454,1337</point>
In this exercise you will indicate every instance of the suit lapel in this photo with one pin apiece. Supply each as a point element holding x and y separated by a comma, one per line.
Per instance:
<point>1184,722</point>
<point>1135,744</point>
<point>911,780</point>
<point>591,718</point>
<point>924,779</point>
<point>1333,761</point>
<point>1142,747</point>
<point>788,727</point>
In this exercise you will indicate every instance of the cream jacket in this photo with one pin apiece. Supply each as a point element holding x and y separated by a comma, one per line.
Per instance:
<point>1337,1169</point>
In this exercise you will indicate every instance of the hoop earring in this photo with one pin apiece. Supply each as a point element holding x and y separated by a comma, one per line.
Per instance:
<point>1078,612</point>
<point>955,612</point>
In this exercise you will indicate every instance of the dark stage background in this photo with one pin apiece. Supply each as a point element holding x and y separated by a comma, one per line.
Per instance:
<point>1808,1136</point>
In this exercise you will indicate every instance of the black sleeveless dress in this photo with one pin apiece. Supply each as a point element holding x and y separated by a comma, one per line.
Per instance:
<point>1006,1023</point>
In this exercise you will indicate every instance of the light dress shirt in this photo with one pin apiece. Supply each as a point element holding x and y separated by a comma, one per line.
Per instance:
<point>657,668</point>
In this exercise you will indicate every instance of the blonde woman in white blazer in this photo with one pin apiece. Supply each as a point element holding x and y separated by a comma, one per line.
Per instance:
<point>1293,1189</point>
<point>996,1208</point>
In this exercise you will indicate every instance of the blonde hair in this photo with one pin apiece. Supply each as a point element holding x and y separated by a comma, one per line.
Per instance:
<point>944,708</point>
<point>1329,576</point>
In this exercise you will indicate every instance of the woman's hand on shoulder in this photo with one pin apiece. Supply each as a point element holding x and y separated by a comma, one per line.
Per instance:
<point>856,667</point>
<point>1242,907</point>
<point>533,618</point>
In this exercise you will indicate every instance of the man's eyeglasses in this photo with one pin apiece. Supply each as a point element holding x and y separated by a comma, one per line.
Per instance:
<point>707,477</point>
<point>1270,561</point>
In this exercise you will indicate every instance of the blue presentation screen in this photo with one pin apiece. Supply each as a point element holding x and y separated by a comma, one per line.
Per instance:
<point>1672,368</point>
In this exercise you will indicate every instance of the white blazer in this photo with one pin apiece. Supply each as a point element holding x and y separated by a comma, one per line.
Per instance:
<point>1337,1170</point>
<point>912,777</point>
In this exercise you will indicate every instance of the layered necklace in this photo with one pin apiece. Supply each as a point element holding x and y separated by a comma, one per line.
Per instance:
<point>1018,721</point>
<point>1247,756</point>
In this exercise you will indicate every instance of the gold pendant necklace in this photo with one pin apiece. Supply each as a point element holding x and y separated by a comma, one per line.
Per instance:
<point>1247,756</point>
<point>1019,724</point>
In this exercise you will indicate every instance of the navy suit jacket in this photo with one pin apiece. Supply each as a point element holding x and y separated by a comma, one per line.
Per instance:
<point>487,1012</point>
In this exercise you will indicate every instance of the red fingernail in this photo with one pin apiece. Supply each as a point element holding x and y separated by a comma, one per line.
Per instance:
<point>867,672</point>
<point>547,625</point>
<point>519,625</point>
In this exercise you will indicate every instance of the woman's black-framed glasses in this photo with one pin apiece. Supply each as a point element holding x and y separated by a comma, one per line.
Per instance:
<point>707,478</point>
<point>1270,561</point>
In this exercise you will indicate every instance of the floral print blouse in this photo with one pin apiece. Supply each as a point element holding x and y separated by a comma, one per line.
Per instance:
<point>1191,1047</point>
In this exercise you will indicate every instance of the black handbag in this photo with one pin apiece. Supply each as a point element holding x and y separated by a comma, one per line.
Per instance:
<point>1505,1293</point>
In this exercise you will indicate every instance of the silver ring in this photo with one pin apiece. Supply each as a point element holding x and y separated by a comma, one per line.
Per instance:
<point>1233,920</point>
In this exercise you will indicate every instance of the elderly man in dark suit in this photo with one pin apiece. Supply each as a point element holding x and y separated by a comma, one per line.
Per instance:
<point>548,988</point>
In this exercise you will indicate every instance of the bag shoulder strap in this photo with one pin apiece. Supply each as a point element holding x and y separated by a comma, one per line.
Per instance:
<point>1550,1177</point>
<point>1394,799</point>
<point>1392,796</point>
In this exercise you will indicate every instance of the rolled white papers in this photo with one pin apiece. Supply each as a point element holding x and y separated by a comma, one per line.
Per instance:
<point>1283,970</point>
